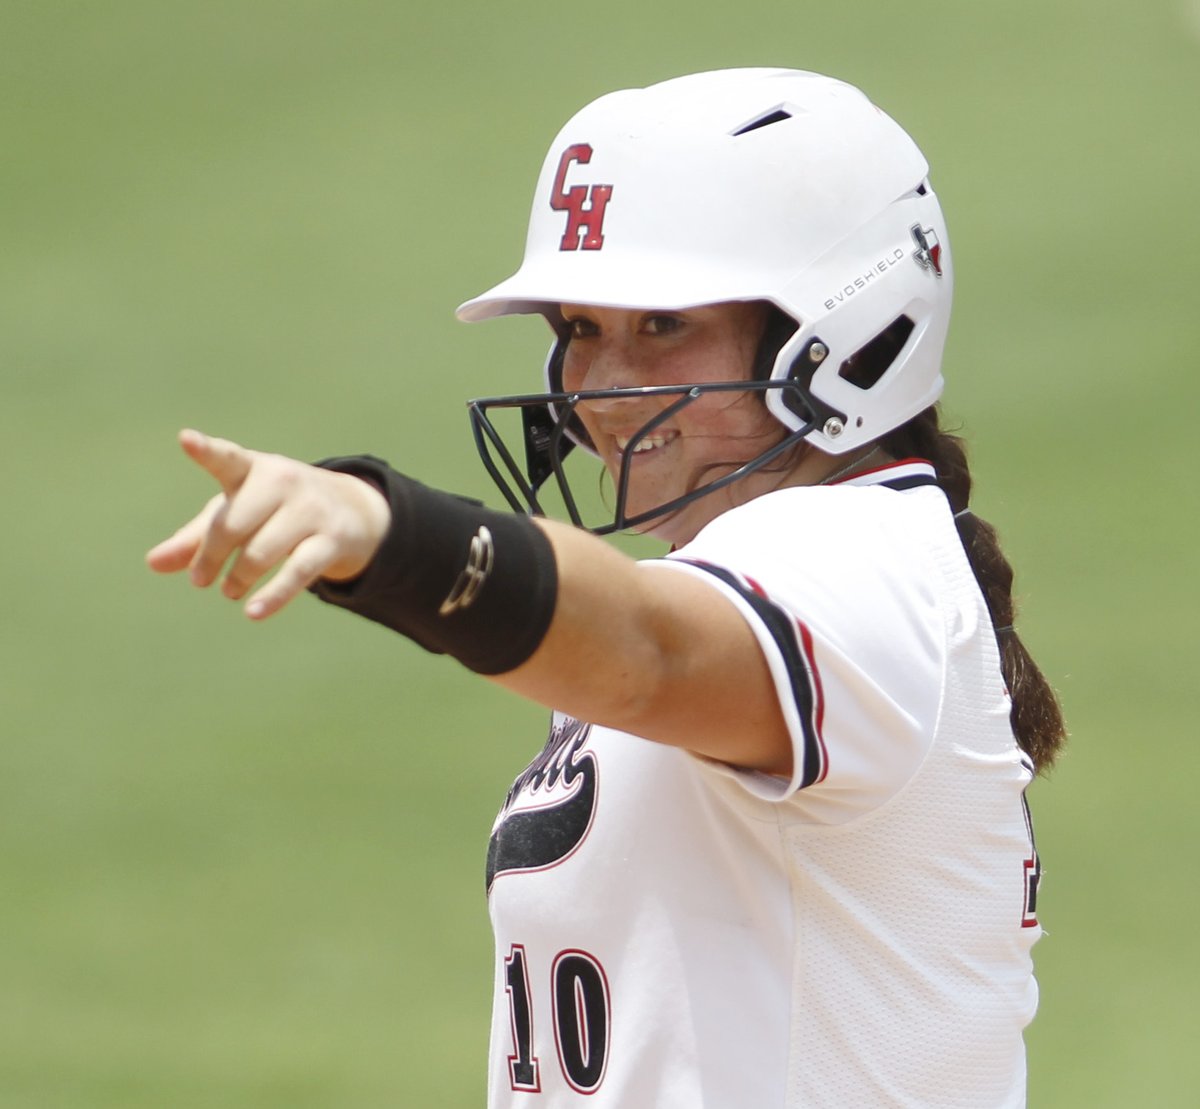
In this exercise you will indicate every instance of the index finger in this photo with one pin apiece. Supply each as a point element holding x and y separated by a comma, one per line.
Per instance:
<point>177,551</point>
<point>227,461</point>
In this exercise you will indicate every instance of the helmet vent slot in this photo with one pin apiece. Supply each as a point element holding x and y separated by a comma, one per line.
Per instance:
<point>872,360</point>
<point>777,115</point>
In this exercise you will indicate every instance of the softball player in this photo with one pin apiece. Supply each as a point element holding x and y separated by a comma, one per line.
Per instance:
<point>775,851</point>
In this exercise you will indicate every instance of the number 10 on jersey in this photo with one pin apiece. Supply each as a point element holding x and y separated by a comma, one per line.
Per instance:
<point>582,1014</point>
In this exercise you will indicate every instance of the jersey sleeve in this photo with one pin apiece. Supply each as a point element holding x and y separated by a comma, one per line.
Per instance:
<point>843,601</point>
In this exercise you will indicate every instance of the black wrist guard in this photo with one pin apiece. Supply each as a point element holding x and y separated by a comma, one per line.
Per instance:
<point>453,576</point>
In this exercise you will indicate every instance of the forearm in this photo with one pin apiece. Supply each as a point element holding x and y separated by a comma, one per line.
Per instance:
<point>543,608</point>
<point>557,615</point>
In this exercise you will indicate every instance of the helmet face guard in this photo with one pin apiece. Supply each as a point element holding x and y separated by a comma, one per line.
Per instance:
<point>547,422</point>
<point>739,185</point>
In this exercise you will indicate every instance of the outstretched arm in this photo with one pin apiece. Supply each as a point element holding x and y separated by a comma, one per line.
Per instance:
<point>631,645</point>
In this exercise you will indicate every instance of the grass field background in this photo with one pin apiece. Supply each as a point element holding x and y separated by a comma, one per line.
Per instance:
<point>243,865</point>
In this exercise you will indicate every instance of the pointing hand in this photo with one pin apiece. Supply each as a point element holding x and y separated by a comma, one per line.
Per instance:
<point>273,512</point>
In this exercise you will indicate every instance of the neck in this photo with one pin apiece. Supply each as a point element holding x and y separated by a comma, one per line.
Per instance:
<point>818,468</point>
<point>856,464</point>
<point>814,467</point>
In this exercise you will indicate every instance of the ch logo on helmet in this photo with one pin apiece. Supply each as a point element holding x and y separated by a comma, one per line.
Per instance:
<point>929,251</point>
<point>585,204</point>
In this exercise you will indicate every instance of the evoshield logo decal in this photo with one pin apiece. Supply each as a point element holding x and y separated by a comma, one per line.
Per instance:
<point>549,810</point>
<point>572,200</point>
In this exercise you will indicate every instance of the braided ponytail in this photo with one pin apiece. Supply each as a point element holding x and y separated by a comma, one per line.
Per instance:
<point>1036,717</point>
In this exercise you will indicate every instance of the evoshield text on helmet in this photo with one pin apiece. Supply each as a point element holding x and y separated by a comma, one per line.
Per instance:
<point>747,185</point>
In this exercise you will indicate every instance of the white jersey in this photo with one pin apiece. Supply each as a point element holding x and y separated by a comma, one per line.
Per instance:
<point>676,934</point>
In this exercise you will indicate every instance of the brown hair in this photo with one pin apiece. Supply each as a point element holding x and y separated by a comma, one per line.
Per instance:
<point>1036,716</point>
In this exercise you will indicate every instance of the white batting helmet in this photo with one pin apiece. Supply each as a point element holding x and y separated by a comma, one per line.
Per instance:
<point>754,184</point>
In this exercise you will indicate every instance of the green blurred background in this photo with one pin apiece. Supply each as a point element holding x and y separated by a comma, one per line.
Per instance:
<point>243,865</point>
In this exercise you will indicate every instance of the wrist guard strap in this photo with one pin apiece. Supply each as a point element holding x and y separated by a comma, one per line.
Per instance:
<point>451,575</point>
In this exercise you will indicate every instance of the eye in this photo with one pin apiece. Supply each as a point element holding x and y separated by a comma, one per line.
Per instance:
<point>661,323</point>
<point>580,327</point>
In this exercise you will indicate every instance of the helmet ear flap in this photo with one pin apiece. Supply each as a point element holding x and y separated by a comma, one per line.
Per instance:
<point>863,369</point>
<point>804,405</point>
<point>798,400</point>
<point>874,358</point>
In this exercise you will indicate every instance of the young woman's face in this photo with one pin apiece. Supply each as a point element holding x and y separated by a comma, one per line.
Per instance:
<point>706,439</point>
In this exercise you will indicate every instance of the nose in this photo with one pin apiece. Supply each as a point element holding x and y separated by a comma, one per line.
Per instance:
<point>601,364</point>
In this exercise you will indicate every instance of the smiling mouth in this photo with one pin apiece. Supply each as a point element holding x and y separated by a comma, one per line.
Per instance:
<point>645,445</point>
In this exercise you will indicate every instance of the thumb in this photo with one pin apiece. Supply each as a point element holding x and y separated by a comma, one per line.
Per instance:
<point>228,462</point>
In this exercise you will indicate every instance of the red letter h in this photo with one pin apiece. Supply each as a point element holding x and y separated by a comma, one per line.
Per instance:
<point>572,201</point>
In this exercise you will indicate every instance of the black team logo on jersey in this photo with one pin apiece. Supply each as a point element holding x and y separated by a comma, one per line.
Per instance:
<point>548,811</point>
<point>572,201</point>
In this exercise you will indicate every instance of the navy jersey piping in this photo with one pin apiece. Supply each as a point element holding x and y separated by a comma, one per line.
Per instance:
<point>902,484</point>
